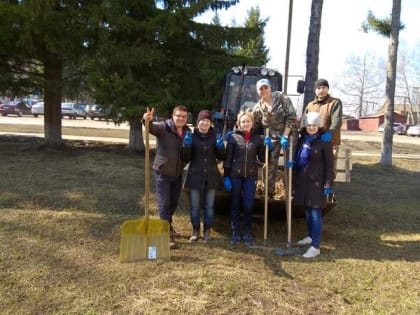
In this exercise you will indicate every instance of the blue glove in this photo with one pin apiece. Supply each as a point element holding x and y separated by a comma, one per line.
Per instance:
<point>188,139</point>
<point>227,183</point>
<point>290,164</point>
<point>326,137</point>
<point>284,142</point>
<point>228,134</point>
<point>328,191</point>
<point>268,143</point>
<point>219,142</point>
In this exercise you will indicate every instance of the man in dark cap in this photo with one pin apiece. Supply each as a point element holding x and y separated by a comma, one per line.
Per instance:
<point>331,112</point>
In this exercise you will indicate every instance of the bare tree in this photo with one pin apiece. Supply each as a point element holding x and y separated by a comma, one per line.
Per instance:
<point>312,51</point>
<point>407,76</point>
<point>361,82</point>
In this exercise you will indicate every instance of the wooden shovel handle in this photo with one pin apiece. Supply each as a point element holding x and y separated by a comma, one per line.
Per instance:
<point>146,170</point>
<point>266,187</point>
<point>289,192</point>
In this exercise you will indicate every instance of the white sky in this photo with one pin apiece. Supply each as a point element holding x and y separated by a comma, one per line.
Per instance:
<point>340,31</point>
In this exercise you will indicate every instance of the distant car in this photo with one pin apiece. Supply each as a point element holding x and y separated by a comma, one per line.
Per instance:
<point>413,131</point>
<point>96,111</point>
<point>73,110</point>
<point>402,129</point>
<point>15,108</point>
<point>396,126</point>
<point>37,109</point>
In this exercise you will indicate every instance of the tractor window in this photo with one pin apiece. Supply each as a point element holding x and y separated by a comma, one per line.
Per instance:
<point>242,93</point>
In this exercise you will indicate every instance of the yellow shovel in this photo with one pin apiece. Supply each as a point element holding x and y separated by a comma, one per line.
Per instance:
<point>146,238</point>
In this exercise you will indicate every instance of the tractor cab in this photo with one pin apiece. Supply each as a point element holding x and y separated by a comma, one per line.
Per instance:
<point>240,93</point>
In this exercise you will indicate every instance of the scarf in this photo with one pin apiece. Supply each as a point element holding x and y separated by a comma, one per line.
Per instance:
<point>304,153</point>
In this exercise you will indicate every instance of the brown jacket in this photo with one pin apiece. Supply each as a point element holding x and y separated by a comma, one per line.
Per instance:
<point>331,112</point>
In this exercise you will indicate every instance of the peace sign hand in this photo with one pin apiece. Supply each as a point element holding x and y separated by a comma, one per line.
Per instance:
<point>148,115</point>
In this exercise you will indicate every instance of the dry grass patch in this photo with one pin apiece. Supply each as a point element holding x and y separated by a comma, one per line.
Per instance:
<point>60,217</point>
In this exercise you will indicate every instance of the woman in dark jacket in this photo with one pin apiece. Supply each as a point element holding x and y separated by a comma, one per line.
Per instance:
<point>313,179</point>
<point>245,151</point>
<point>203,176</point>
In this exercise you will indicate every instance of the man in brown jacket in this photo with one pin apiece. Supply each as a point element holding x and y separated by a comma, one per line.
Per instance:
<point>331,112</point>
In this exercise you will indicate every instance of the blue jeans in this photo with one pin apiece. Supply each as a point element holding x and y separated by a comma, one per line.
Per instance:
<point>168,190</point>
<point>242,194</point>
<point>195,206</point>
<point>314,222</point>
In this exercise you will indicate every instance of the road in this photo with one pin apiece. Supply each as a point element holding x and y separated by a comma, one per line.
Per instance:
<point>39,121</point>
<point>357,136</point>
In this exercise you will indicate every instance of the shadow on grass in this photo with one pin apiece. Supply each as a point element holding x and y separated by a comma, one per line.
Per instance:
<point>376,217</point>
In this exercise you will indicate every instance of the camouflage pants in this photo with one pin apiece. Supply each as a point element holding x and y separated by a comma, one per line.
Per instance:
<point>273,166</point>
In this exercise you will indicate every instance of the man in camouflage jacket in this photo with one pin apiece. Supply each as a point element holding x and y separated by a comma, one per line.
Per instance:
<point>274,111</point>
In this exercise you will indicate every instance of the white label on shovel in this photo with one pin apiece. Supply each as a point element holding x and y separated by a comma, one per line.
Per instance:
<point>152,252</point>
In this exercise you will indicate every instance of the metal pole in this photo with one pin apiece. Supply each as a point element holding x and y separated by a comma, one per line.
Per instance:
<point>289,31</point>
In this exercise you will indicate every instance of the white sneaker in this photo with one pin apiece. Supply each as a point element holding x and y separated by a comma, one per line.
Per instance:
<point>305,241</point>
<point>312,252</point>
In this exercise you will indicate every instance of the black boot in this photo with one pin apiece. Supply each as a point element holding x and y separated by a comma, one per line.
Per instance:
<point>195,235</point>
<point>207,236</point>
<point>236,238</point>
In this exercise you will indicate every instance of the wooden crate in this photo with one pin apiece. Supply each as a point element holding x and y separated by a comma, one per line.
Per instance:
<point>344,165</point>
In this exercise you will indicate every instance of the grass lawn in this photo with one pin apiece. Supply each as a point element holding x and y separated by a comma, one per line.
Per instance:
<point>60,218</point>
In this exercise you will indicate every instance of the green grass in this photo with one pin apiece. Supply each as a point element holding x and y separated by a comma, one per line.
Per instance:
<point>60,217</point>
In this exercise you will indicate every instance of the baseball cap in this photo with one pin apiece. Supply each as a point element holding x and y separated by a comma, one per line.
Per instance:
<point>263,82</point>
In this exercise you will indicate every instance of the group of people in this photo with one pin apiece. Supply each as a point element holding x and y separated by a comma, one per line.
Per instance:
<point>264,129</point>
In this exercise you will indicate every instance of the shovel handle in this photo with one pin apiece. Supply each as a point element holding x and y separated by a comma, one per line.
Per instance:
<point>266,187</point>
<point>147,169</point>
<point>289,192</point>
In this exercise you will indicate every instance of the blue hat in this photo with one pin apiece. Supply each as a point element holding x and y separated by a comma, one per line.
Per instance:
<point>262,82</point>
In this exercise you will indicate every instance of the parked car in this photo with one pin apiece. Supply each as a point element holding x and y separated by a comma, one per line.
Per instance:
<point>402,129</point>
<point>73,110</point>
<point>37,109</point>
<point>413,131</point>
<point>396,126</point>
<point>15,108</point>
<point>96,111</point>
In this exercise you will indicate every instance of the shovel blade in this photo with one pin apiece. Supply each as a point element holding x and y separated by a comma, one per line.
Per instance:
<point>289,251</point>
<point>143,239</point>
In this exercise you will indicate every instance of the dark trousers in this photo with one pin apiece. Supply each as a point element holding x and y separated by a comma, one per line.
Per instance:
<point>168,190</point>
<point>242,194</point>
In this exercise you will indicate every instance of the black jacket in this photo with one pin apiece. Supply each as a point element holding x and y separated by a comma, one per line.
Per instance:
<point>243,158</point>
<point>168,160</point>
<point>203,156</point>
<point>309,182</point>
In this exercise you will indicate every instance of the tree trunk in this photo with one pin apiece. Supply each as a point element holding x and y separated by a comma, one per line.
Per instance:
<point>135,142</point>
<point>312,52</point>
<point>386,154</point>
<point>52,100</point>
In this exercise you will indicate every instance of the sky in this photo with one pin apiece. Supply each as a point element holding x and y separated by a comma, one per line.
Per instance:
<point>340,38</point>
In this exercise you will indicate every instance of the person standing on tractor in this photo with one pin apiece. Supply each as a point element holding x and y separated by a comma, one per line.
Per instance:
<point>274,111</point>
<point>331,112</point>
<point>245,151</point>
<point>203,150</point>
<point>313,179</point>
<point>168,164</point>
